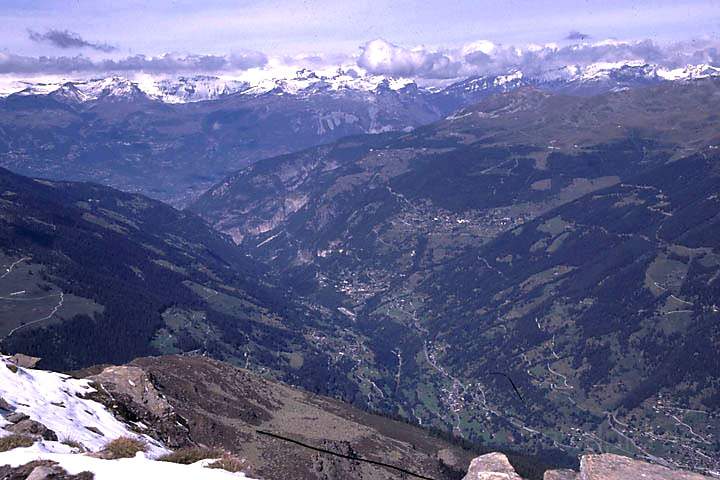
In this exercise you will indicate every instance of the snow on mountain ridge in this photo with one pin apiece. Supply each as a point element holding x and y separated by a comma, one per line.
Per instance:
<point>689,72</point>
<point>56,401</point>
<point>186,89</point>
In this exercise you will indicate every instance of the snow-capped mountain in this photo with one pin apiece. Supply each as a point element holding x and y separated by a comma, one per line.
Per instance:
<point>110,89</point>
<point>185,89</point>
<point>234,122</point>
<point>192,89</point>
<point>301,82</point>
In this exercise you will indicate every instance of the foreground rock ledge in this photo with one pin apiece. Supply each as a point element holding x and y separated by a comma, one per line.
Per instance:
<point>607,466</point>
<point>492,466</point>
<point>615,467</point>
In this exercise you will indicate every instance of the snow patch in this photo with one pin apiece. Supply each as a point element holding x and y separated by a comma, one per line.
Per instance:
<point>54,400</point>
<point>138,467</point>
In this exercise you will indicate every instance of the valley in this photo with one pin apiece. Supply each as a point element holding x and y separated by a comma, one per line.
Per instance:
<point>325,240</point>
<point>534,272</point>
<point>388,235</point>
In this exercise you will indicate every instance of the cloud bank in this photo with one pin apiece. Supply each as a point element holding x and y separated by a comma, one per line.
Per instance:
<point>379,56</point>
<point>485,57</point>
<point>66,39</point>
<point>167,64</point>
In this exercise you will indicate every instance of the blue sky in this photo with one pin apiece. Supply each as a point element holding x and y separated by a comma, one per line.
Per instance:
<point>104,29</point>
<point>323,26</point>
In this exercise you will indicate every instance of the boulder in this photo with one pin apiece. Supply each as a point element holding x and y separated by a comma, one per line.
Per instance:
<point>608,466</point>
<point>43,472</point>
<point>33,429</point>
<point>16,417</point>
<point>40,470</point>
<point>491,466</point>
<point>24,361</point>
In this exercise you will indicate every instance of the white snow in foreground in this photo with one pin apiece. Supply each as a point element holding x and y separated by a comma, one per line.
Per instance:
<point>139,467</point>
<point>52,399</point>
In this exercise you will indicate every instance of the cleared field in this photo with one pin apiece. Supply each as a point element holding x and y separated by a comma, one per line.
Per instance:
<point>29,301</point>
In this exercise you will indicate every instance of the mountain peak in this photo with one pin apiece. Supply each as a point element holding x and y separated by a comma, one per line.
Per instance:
<point>303,82</point>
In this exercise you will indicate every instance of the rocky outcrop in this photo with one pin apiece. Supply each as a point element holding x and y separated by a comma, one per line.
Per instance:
<point>134,384</point>
<point>560,475</point>
<point>32,429</point>
<point>40,470</point>
<point>491,466</point>
<point>129,392</point>
<point>227,407</point>
<point>606,466</point>
<point>16,417</point>
<point>615,467</point>
<point>25,361</point>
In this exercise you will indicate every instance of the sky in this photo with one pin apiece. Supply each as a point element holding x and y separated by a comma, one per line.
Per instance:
<point>416,38</point>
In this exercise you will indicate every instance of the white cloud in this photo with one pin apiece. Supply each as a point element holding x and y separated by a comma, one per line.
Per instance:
<point>485,57</point>
<point>167,63</point>
<point>484,46</point>
<point>382,57</point>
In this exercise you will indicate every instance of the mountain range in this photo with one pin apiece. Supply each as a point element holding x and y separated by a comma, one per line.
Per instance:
<point>172,138</point>
<point>306,82</point>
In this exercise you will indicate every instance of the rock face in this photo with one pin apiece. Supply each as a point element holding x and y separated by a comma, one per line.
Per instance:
<point>491,466</point>
<point>129,392</point>
<point>33,429</point>
<point>560,475</point>
<point>615,467</point>
<point>607,466</point>
<point>135,384</point>
<point>25,361</point>
<point>40,470</point>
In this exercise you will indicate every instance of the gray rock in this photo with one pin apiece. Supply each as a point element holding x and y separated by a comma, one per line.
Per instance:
<point>33,429</point>
<point>42,472</point>
<point>16,417</point>
<point>492,466</point>
<point>128,391</point>
<point>95,430</point>
<point>134,383</point>
<point>5,405</point>
<point>562,474</point>
<point>25,361</point>
<point>608,466</point>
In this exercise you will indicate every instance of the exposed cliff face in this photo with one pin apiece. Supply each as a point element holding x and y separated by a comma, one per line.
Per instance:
<point>607,466</point>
